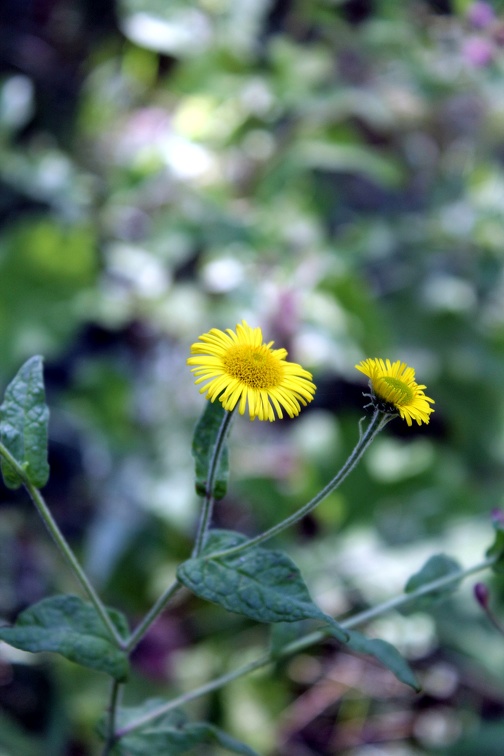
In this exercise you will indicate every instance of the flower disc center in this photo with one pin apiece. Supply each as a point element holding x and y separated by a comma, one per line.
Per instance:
<point>394,390</point>
<point>255,366</point>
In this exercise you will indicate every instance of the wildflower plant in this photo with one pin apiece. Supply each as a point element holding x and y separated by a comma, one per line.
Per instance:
<point>240,574</point>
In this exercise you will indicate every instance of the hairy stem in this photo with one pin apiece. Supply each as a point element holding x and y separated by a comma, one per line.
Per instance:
<point>377,422</point>
<point>63,546</point>
<point>152,615</point>
<point>203,525</point>
<point>209,500</point>
<point>110,738</point>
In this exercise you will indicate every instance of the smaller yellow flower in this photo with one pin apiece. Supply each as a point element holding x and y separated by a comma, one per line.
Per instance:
<point>394,384</point>
<point>241,369</point>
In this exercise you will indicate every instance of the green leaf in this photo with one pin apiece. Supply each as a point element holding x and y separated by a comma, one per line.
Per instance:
<point>353,158</point>
<point>497,548</point>
<point>205,436</point>
<point>261,584</point>
<point>438,566</point>
<point>24,419</point>
<point>385,653</point>
<point>484,738</point>
<point>170,734</point>
<point>72,628</point>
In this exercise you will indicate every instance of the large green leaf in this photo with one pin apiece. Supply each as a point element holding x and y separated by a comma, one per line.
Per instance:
<point>170,734</point>
<point>385,653</point>
<point>72,628</point>
<point>261,584</point>
<point>205,437</point>
<point>24,419</point>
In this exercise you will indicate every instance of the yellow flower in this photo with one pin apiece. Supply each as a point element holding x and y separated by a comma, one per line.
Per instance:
<point>242,369</point>
<point>394,384</point>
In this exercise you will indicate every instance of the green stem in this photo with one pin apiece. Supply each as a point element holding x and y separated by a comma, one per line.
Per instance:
<point>209,500</point>
<point>111,719</point>
<point>203,525</point>
<point>305,642</point>
<point>152,615</point>
<point>63,546</point>
<point>378,421</point>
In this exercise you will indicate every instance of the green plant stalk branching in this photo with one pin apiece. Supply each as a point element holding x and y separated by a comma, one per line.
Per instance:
<point>376,424</point>
<point>152,615</point>
<point>306,641</point>
<point>378,421</point>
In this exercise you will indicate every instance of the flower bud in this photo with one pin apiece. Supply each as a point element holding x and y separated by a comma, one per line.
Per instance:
<point>481,594</point>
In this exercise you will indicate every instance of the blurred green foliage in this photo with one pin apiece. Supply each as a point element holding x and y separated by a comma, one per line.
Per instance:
<point>331,171</point>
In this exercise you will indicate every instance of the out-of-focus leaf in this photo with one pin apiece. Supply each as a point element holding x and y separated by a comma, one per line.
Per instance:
<point>485,738</point>
<point>44,265</point>
<point>385,653</point>
<point>14,740</point>
<point>496,550</point>
<point>438,566</point>
<point>350,158</point>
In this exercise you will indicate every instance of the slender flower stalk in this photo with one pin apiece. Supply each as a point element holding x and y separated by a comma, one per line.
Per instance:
<point>209,500</point>
<point>152,615</point>
<point>377,422</point>
<point>63,546</point>
<point>111,717</point>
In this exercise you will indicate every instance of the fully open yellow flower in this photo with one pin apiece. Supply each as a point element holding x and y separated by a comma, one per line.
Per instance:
<point>242,369</point>
<point>394,384</point>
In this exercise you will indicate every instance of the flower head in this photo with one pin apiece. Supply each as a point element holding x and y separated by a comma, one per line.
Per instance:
<point>241,369</point>
<point>394,389</point>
